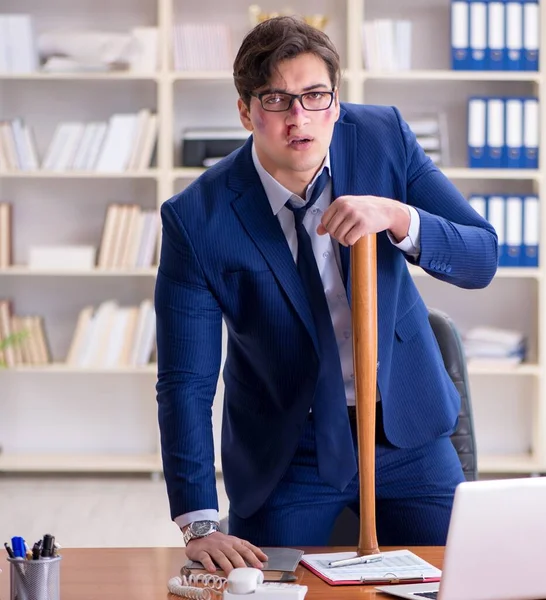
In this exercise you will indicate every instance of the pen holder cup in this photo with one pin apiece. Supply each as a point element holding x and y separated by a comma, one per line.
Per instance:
<point>35,579</point>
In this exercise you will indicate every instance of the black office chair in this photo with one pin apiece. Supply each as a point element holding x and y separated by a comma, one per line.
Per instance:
<point>346,528</point>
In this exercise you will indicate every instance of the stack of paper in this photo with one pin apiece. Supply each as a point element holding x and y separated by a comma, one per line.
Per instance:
<point>492,344</point>
<point>395,566</point>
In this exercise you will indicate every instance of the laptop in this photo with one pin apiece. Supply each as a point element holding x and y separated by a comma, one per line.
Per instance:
<point>496,544</point>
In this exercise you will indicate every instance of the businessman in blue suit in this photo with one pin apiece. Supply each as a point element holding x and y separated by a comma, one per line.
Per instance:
<point>262,240</point>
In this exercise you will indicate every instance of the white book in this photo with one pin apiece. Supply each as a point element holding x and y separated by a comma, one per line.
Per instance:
<point>148,144</point>
<point>136,240</point>
<point>21,40</point>
<point>95,146</point>
<point>80,337</point>
<point>112,355</point>
<point>8,143</point>
<point>30,145</point>
<point>116,150</point>
<point>101,325</point>
<point>55,147</point>
<point>82,152</point>
<point>133,214</point>
<point>62,258</point>
<point>65,157</point>
<point>149,239</point>
<point>19,143</point>
<point>144,308</point>
<point>5,235</point>
<point>5,66</point>
<point>402,35</point>
<point>143,117</point>
<point>147,339</point>
<point>110,232</point>
<point>385,36</point>
<point>120,239</point>
<point>370,46</point>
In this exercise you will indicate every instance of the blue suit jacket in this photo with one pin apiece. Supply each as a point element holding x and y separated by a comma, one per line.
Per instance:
<point>224,254</point>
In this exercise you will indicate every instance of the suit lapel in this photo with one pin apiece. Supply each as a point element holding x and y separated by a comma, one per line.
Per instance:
<point>343,160</point>
<point>254,212</point>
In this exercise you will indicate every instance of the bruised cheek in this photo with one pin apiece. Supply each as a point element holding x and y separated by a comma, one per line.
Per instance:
<point>327,117</point>
<point>259,121</point>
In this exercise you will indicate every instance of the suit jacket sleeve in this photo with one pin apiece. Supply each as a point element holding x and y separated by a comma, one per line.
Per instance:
<point>189,333</point>
<point>457,245</point>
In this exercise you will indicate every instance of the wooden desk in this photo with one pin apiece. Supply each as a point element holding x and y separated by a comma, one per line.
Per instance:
<point>143,573</point>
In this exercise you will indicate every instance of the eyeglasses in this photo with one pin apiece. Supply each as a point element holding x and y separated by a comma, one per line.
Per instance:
<point>282,101</point>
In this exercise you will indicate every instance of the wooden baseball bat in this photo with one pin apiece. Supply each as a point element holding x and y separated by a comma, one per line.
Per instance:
<point>364,315</point>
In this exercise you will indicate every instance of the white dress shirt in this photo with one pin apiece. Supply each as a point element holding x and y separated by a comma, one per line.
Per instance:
<point>326,251</point>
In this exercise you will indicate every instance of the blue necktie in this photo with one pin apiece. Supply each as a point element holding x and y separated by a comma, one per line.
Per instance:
<point>335,452</point>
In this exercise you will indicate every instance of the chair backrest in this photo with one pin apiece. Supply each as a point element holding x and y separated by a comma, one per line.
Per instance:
<point>346,528</point>
<point>452,350</point>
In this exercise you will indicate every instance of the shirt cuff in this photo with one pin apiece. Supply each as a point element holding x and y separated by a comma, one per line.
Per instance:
<point>411,244</point>
<point>207,514</point>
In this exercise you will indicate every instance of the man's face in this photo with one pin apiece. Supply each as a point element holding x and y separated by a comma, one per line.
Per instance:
<point>291,145</point>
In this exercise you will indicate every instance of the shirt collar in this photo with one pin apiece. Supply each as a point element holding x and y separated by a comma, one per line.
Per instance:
<point>276,193</point>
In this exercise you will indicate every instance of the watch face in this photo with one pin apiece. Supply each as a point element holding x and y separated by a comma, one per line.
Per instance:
<point>201,528</point>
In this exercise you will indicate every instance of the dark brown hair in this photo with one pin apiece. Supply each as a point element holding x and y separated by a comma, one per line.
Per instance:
<point>275,40</point>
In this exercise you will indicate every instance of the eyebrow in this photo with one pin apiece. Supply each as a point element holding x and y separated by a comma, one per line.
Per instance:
<point>314,86</point>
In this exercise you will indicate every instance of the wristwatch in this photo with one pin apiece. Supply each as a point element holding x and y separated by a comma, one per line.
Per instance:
<point>200,529</point>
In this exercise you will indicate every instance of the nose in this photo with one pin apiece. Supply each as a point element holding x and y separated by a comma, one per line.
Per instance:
<point>297,115</point>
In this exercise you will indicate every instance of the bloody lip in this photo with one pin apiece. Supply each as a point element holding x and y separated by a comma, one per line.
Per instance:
<point>300,144</point>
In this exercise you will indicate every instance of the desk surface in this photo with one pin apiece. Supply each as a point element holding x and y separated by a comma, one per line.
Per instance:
<point>143,573</point>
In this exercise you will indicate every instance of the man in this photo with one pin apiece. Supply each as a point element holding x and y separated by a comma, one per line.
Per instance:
<point>240,244</point>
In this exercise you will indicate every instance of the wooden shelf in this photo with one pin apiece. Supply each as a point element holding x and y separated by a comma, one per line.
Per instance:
<point>147,174</point>
<point>506,174</point>
<point>100,463</point>
<point>64,369</point>
<point>453,173</point>
<point>187,172</point>
<point>449,75</point>
<point>509,464</point>
<point>21,270</point>
<point>82,76</point>
<point>200,75</point>
<point>502,272</point>
<point>495,370</point>
<point>364,75</point>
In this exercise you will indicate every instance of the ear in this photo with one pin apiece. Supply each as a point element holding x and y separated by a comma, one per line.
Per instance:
<point>244,115</point>
<point>336,104</point>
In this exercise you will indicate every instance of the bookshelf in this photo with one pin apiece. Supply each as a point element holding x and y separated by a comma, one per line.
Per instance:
<point>82,405</point>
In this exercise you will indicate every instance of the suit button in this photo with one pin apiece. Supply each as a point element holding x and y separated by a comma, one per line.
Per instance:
<point>432,264</point>
<point>443,266</point>
<point>448,269</point>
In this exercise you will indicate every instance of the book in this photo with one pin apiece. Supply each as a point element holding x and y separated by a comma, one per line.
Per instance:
<point>396,566</point>
<point>281,564</point>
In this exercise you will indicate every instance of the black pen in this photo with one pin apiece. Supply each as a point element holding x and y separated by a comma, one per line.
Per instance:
<point>36,550</point>
<point>47,545</point>
<point>9,550</point>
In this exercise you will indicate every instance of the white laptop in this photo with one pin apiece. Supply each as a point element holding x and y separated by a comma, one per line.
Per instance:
<point>496,544</point>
